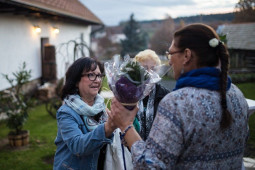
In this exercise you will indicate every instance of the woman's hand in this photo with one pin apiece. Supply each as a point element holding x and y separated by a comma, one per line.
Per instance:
<point>121,116</point>
<point>109,125</point>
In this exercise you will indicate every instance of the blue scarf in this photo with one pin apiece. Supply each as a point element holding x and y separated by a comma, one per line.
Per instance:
<point>207,78</point>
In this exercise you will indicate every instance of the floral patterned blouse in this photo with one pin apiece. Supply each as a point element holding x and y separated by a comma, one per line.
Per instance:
<point>186,132</point>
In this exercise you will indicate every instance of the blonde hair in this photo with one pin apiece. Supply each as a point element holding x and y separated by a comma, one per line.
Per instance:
<point>147,55</point>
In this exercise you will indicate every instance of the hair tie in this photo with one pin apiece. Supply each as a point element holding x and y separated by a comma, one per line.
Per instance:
<point>214,42</point>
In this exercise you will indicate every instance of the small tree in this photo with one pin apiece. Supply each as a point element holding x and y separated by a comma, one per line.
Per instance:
<point>14,102</point>
<point>163,37</point>
<point>136,39</point>
<point>77,47</point>
<point>245,11</point>
<point>107,48</point>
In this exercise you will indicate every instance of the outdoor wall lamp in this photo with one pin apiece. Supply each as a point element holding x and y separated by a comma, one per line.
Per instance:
<point>37,29</point>
<point>55,30</point>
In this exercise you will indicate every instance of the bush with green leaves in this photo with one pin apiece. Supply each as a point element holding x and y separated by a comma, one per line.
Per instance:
<point>14,102</point>
<point>242,77</point>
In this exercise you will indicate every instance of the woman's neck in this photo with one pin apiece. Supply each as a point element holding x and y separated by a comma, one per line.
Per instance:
<point>89,101</point>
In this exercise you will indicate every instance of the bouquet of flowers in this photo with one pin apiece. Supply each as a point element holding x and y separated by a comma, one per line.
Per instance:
<point>129,81</point>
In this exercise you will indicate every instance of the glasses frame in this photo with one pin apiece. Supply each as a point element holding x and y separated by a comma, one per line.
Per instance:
<point>153,68</point>
<point>90,75</point>
<point>170,54</point>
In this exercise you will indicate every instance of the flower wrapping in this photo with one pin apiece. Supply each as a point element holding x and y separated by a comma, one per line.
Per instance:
<point>129,81</point>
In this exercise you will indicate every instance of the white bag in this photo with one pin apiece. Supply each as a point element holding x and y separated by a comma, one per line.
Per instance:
<point>114,158</point>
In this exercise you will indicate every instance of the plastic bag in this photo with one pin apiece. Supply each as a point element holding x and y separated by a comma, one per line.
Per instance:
<point>129,81</point>
<point>114,158</point>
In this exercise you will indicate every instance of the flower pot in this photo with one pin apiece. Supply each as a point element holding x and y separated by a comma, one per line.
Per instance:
<point>15,140</point>
<point>25,138</point>
<point>18,140</point>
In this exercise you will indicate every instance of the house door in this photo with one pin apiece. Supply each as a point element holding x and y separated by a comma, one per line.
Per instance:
<point>48,56</point>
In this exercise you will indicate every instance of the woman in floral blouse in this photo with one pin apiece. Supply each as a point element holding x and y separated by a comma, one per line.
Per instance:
<point>203,123</point>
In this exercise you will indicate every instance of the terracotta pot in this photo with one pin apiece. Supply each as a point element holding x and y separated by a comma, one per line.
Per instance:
<point>21,139</point>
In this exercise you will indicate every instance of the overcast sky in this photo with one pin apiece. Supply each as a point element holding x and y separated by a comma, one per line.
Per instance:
<point>111,12</point>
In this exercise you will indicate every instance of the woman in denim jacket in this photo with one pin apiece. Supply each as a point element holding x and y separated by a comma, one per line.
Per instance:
<point>82,127</point>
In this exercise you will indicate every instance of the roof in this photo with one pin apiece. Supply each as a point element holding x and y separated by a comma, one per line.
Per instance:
<point>72,9</point>
<point>239,36</point>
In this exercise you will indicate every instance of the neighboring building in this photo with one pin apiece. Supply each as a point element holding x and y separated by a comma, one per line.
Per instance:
<point>106,42</point>
<point>241,45</point>
<point>116,33</point>
<point>57,22</point>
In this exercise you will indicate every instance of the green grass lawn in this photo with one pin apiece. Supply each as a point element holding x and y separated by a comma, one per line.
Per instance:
<point>43,130</point>
<point>39,153</point>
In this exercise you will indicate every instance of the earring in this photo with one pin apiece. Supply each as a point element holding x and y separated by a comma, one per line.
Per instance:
<point>182,71</point>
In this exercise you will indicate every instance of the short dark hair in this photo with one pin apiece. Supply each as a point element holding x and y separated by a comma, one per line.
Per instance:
<point>196,37</point>
<point>74,74</point>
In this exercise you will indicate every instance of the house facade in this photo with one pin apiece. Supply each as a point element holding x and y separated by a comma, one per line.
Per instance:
<point>27,26</point>
<point>241,45</point>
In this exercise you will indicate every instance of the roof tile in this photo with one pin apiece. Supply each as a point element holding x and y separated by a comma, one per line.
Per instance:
<point>73,8</point>
<point>239,36</point>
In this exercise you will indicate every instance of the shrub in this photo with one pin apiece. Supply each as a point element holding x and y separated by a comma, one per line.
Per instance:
<point>15,103</point>
<point>242,77</point>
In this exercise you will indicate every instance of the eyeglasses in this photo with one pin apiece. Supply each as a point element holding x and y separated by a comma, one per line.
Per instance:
<point>169,55</point>
<point>93,76</point>
<point>153,68</point>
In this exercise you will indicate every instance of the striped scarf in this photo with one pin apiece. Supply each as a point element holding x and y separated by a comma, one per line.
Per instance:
<point>86,111</point>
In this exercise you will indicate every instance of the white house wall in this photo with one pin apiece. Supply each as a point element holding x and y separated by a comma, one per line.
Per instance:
<point>19,42</point>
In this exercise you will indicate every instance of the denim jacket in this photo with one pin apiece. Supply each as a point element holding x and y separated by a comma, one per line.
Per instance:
<point>77,148</point>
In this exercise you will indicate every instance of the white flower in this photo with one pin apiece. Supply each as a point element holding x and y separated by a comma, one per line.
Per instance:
<point>129,69</point>
<point>214,42</point>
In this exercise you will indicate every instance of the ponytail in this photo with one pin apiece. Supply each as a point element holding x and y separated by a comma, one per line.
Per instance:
<point>226,118</point>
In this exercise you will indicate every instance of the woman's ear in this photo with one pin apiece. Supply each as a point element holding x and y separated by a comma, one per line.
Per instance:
<point>188,56</point>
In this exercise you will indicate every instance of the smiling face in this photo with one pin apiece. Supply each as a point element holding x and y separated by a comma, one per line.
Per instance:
<point>89,89</point>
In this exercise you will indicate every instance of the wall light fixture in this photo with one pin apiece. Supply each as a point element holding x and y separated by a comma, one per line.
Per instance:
<point>37,29</point>
<point>55,30</point>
